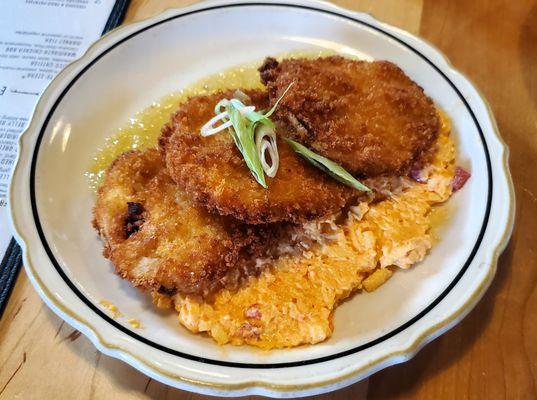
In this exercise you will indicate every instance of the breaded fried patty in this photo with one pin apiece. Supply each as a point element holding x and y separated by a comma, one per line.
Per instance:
<point>293,302</point>
<point>158,239</point>
<point>212,170</point>
<point>368,116</point>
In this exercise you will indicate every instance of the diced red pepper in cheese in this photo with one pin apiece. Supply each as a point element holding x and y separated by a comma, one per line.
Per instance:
<point>460,178</point>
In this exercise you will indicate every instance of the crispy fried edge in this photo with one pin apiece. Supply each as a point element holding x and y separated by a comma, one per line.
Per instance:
<point>249,214</point>
<point>243,244</point>
<point>269,72</point>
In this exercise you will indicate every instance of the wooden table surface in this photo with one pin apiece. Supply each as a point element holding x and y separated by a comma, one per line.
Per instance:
<point>491,354</point>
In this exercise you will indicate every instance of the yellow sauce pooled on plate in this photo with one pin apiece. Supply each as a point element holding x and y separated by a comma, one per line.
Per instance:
<point>111,308</point>
<point>373,242</point>
<point>143,129</point>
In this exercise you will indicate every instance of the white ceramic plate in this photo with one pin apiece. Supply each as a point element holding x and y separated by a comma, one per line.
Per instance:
<point>139,63</point>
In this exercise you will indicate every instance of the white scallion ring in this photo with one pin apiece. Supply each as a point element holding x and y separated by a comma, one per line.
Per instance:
<point>265,141</point>
<point>208,129</point>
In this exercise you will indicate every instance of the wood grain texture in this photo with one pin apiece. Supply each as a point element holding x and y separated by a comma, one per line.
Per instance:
<point>492,354</point>
<point>402,13</point>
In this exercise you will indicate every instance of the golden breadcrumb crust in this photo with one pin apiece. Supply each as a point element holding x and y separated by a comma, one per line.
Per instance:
<point>168,243</point>
<point>368,116</point>
<point>213,172</point>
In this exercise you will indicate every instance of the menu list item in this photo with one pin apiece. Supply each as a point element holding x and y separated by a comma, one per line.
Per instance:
<point>37,39</point>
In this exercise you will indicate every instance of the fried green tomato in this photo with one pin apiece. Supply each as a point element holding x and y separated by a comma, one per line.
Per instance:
<point>213,172</point>
<point>159,240</point>
<point>368,116</point>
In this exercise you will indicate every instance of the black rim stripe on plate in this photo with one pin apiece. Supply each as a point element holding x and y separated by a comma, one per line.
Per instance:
<point>157,346</point>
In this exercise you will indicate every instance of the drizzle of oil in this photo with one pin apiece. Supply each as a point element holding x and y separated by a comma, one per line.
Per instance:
<point>440,214</point>
<point>445,120</point>
<point>143,129</point>
<point>111,308</point>
<point>134,323</point>
<point>438,217</point>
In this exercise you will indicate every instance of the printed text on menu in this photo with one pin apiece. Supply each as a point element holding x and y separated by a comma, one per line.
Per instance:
<point>37,39</point>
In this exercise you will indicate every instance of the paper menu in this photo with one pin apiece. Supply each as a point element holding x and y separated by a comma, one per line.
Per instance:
<point>37,39</point>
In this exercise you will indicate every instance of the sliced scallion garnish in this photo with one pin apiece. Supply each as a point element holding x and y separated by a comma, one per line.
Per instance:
<point>265,142</point>
<point>254,135</point>
<point>271,111</point>
<point>244,137</point>
<point>328,166</point>
<point>252,132</point>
